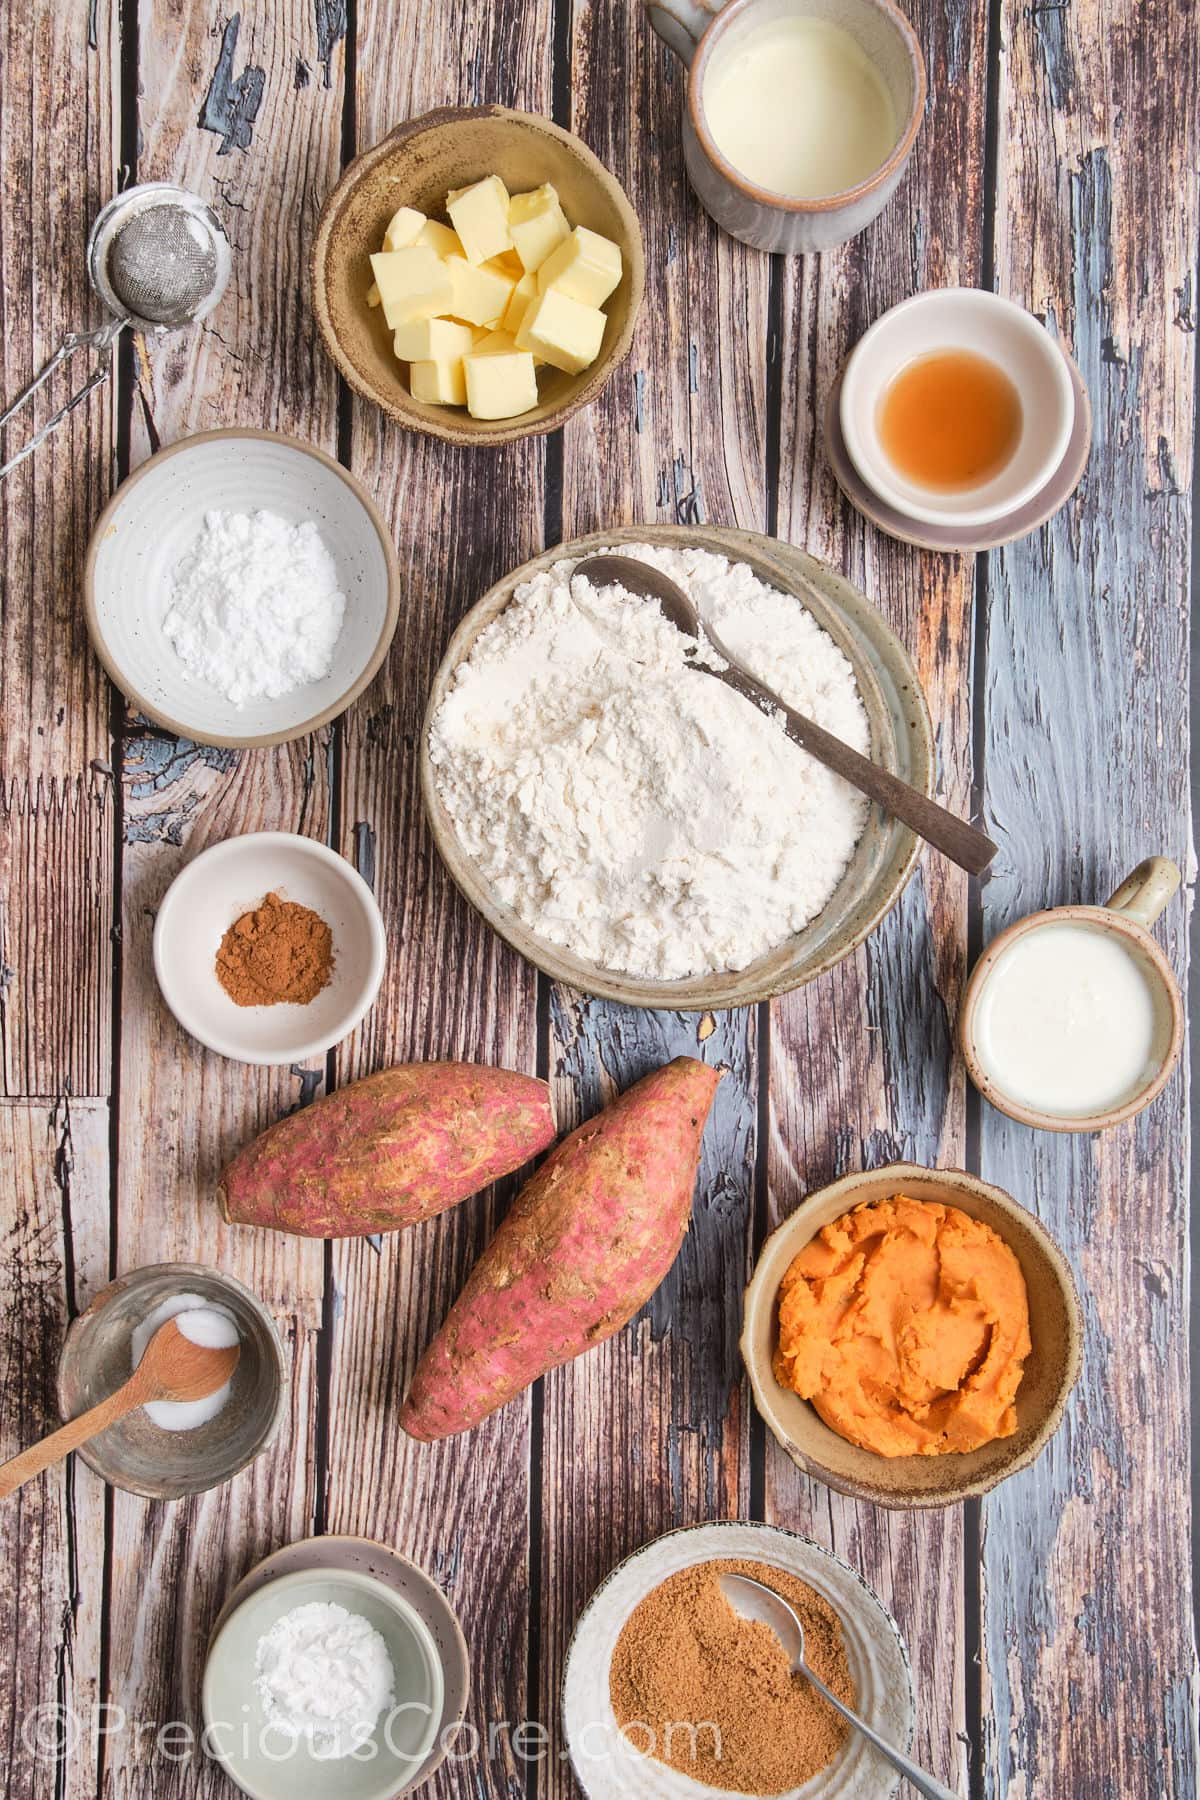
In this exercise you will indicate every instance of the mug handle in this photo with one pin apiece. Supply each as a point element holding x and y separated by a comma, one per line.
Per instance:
<point>1143,894</point>
<point>682,23</point>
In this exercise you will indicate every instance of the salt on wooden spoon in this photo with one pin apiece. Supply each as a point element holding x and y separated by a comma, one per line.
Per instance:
<point>175,1367</point>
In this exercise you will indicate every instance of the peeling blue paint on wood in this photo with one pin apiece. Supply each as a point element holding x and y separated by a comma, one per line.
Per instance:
<point>231,105</point>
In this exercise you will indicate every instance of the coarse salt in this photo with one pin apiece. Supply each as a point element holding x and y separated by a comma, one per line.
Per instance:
<point>256,609</point>
<point>631,808</point>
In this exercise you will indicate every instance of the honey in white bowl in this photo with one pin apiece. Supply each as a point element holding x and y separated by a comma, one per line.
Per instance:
<point>950,420</point>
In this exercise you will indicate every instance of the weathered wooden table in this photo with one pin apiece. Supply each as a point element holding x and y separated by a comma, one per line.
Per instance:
<point>1051,1627</point>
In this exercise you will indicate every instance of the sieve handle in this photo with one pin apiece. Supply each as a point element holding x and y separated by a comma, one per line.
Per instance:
<point>75,340</point>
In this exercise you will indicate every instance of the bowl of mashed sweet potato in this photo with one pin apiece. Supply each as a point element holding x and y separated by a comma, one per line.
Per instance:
<point>912,1335</point>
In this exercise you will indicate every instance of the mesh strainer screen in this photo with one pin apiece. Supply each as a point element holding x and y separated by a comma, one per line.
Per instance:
<point>162,265</point>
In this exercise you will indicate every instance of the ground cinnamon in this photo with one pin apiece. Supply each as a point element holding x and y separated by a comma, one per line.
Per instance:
<point>281,951</point>
<point>713,1695</point>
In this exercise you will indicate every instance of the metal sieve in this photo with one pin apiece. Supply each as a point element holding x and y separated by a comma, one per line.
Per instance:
<point>158,258</point>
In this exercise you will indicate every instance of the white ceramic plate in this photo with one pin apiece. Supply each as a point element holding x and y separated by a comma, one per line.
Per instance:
<point>232,878</point>
<point>609,1769</point>
<point>153,520</point>
<point>960,319</point>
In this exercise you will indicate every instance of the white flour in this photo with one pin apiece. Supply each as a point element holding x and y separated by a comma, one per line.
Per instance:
<point>324,1675</point>
<point>634,810</point>
<point>256,609</point>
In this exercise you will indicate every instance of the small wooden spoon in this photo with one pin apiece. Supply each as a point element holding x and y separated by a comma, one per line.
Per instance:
<point>173,1368</point>
<point>961,842</point>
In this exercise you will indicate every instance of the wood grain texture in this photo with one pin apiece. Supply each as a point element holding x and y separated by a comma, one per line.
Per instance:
<point>58,153</point>
<point>1084,1554</point>
<point>861,1070</point>
<point>55,1159</point>
<point>460,519</point>
<point>184,1109</point>
<point>678,436</point>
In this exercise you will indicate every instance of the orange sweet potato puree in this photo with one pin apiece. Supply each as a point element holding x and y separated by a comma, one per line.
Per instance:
<point>906,1324</point>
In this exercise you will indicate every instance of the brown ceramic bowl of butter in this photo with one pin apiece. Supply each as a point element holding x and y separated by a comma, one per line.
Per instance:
<point>1051,1366</point>
<point>418,165</point>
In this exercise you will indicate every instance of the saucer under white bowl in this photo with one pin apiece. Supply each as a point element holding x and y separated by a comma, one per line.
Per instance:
<point>985,324</point>
<point>964,540</point>
<point>232,878</point>
<point>151,523</point>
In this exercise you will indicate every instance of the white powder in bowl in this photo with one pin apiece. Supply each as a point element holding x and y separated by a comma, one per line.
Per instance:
<point>630,808</point>
<point>324,1674</point>
<point>256,609</point>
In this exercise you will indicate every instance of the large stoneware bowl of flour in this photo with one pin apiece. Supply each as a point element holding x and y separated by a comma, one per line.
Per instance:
<point>617,819</point>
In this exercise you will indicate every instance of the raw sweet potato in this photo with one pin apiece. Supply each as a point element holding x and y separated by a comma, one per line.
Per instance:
<point>585,1244</point>
<point>388,1151</point>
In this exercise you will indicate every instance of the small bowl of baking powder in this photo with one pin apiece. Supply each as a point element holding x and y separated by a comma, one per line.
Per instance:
<point>241,588</point>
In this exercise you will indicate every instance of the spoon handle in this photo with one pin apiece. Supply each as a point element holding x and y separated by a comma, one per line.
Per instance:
<point>31,1462</point>
<point>924,1784</point>
<point>961,842</point>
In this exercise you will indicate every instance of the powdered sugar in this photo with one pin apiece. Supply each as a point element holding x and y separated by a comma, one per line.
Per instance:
<point>324,1675</point>
<point>629,807</point>
<point>256,609</point>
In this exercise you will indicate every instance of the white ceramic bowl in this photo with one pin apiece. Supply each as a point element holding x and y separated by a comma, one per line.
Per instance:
<point>960,319</point>
<point>155,517</point>
<point>232,878</point>
<point>609,1768</point>
<point>268,1766</point>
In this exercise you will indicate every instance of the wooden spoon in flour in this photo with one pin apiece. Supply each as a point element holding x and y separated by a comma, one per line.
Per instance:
<point>173,1368</point>
<point>961,842</point>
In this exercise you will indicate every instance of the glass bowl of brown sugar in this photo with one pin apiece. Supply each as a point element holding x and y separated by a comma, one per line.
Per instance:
<point>269,948</point>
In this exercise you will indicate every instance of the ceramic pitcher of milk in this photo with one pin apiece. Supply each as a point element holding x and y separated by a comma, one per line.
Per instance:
<point>800,114</point>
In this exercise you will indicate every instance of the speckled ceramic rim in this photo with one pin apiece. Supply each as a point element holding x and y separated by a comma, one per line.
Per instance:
<point>1096,918</point>
<point>827,202</point>
<point>458,427</point>
<point>262,1572</point>
<point>768,1531</point>
<point>946,539</point>
<point>82,1325</point>
<point>176,897</point>
<point>849,620</point>
<point>117,674</point>
<point>841,1197</point>
<point>356,1580</point>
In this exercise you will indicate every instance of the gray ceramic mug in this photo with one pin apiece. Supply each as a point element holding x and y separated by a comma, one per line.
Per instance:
<point>702,31</point>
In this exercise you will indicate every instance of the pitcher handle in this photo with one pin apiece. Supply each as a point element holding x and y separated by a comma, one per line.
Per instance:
<point>1143,894</point>
<point>682,23</point>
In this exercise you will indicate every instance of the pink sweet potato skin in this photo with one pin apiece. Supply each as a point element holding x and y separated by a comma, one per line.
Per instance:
<point>388,1151</point>
<point>585,1244</point>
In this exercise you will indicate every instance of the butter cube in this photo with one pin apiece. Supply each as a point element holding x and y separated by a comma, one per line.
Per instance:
<point>403,228</point>
<point>522,294</point>
<point>433,340</point>
<point>373,294</point>
<point>585,267</point>
<point>562,332</point>
<point>440,382</point>
<point>479,214</point>
<point>478,295</point>
<point>537,225</point>
<point>439,238</point>
<point>499,387</point>
<point>412,283</point>
<point>507,263</point>
<point>494,343</point>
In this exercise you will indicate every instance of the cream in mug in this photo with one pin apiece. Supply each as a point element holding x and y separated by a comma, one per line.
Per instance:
<point>1069,1021</point>
<point>797,106</point>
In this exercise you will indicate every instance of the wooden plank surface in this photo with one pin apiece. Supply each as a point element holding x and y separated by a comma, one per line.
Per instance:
<point>1084,1554</point>
<point>1051,1630</point>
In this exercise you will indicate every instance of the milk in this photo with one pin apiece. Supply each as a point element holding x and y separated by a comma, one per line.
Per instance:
<point>798,108</point>
<point>1068,1021</point>
<point>203,1323</point>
